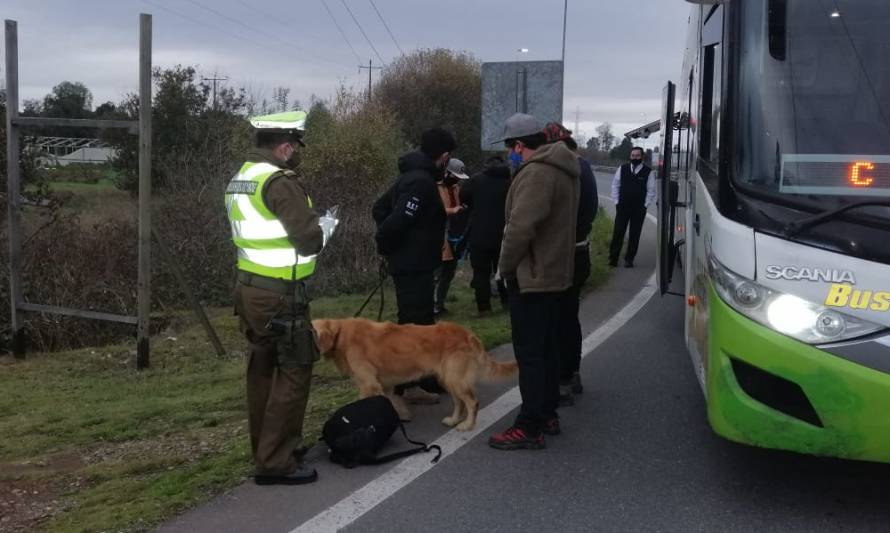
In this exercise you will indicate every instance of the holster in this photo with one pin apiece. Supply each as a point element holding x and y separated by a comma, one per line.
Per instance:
<point>294,336</point>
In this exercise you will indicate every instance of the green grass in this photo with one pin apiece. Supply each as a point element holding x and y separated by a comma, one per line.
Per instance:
<point>103,184</point>
<point>141,446</point>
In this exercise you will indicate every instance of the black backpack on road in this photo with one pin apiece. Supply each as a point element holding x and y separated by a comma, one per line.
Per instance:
<point>358,430</point>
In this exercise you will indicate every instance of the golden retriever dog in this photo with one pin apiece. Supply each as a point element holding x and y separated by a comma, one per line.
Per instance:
<point>380,355</point>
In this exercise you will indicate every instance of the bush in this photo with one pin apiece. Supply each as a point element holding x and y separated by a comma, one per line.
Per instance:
<point>436,88</point>
<point>351,157</point>
<point>64,264</point>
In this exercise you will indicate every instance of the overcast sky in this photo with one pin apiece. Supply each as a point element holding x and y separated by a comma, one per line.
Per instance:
<point>619,53</point>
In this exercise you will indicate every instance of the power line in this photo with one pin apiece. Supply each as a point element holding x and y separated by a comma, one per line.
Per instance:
<point>202,23</point>
<point>363,32</point>
<point>252,29</point>
<point>273,17</point>
<point>342,34</point>
<point>385,25</point>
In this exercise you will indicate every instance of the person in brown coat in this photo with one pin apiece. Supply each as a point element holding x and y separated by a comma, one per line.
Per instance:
<point>537,262</point>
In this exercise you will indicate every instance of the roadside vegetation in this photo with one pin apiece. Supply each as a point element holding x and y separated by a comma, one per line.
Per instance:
<point>86,442</point>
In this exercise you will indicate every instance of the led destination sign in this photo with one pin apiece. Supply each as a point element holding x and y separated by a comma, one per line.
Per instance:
<point>836,174</point>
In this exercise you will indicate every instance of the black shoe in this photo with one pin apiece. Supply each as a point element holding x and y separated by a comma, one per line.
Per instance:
<point>301,475</point>
<point>565,396</point>
<point>628,263</point>
<point>300,453</point>
<point>576,386</point>
<point>551,427</point>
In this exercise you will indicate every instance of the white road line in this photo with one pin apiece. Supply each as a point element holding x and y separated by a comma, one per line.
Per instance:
<point>352,507</point>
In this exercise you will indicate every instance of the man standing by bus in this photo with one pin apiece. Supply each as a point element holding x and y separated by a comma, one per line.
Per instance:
<point>537,262</point>
<point>633,191</point>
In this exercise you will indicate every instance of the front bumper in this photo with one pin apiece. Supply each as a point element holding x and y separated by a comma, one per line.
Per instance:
<point>851,403</point>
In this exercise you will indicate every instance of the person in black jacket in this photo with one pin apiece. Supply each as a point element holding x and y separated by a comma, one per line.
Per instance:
<point>485,195</point>
<point>570,325</point>
<point>410,222</point>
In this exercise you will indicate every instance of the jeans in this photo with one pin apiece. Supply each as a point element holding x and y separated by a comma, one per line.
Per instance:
<point>443,282</point>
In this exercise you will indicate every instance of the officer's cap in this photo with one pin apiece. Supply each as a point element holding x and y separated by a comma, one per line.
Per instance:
<point>289,122</point>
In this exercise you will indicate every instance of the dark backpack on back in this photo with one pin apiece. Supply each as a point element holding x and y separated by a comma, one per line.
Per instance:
<point>357,431</point>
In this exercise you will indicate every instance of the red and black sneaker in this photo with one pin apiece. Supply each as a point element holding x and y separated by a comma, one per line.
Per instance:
<point>551,426</point>
<point>515,438</point>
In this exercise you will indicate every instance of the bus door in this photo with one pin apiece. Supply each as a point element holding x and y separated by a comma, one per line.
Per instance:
<point>667,194</point>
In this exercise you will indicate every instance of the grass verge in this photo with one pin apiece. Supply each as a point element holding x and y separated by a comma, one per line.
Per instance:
<point>87,444</point>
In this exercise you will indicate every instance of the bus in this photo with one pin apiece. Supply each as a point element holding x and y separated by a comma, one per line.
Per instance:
<point>774,214</point>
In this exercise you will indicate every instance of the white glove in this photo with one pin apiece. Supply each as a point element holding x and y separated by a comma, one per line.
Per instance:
<point>328,223</point>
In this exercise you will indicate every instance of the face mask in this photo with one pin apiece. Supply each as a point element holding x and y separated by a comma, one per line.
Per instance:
<point>636,162</point>
<point>515,160</point>
<point>449,181</point>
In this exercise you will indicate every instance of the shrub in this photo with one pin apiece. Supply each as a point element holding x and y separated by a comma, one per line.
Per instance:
<point>436,88</point>
<point>351,157</point>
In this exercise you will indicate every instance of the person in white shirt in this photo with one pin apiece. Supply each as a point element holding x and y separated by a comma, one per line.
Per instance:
<point>633,190</point>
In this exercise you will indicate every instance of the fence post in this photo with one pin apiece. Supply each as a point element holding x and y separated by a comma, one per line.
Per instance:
<point>144,282</point>
<point>13,188</point>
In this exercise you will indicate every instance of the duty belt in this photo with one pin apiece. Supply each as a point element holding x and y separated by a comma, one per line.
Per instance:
<point>280,286</point>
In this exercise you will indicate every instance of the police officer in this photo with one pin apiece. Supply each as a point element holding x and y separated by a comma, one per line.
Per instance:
<point>633,190</point>
<point>277,235</point>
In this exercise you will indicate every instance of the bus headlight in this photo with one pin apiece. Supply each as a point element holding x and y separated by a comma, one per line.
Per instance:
<point>798,318</point>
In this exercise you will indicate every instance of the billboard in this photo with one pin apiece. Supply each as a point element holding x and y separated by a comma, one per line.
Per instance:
<point>508,87</point>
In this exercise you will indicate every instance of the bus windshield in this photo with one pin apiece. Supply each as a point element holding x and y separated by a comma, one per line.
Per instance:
<point>814,100</point>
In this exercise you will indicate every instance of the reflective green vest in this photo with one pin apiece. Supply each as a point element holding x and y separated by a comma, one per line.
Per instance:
<point>263,246</point>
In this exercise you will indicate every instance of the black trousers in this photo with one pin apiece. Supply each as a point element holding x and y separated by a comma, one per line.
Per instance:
<point>570,325</point>
<point>414,298</point>
<point>485,263</point>
<point>534,320</point>
<point>627,215</point>
<point>443,282</point>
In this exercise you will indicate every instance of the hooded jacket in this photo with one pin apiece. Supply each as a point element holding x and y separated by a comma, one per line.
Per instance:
<point>541,213</point>
<point>410,217</point>
<point>486,195</point>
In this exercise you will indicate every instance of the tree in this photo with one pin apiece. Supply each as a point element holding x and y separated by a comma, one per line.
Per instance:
<point>279,96</point>
<point>438,87</point>
<point>68,100</point>
<point>106,110</point>
<point>622,151</point>
<point>187,134</point>
<point>606,138</point>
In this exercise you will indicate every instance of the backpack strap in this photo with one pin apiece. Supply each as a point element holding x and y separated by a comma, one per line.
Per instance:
<point>421,447</point>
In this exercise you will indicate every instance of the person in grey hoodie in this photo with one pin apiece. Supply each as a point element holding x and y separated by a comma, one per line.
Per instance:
<point>537,263</point>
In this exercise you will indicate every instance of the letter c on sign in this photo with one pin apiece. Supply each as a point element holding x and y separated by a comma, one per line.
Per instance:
<point>856,177</point>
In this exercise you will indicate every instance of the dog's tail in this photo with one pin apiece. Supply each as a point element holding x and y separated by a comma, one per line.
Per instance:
<point>500,370</point>
<point>492,369</point>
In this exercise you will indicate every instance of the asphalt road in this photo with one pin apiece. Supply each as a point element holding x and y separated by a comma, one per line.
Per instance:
<point>636,454</point>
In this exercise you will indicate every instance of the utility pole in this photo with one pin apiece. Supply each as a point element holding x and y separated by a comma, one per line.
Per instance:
<point>370,67</point>
<point>214,79</point>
